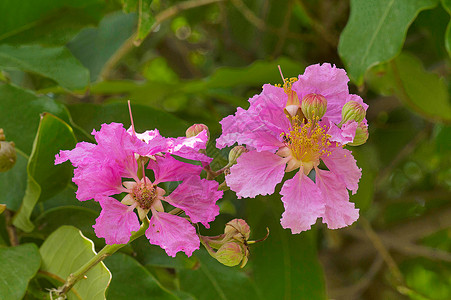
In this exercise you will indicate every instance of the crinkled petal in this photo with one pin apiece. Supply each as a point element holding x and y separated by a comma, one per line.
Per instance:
<point>197,197</point>
<point>339,212</point>
<point>260,126</point>
<point>167,168</point>
<point>116,221</point>
<point>256,173</point>
<point>303,203</point>
<point>328,81</point>
<point>341,162</point>
<point>82,155</point>
<point>188,147</point>
<point>172,233</point>
<point>100,179</point>
<point>343,135</point>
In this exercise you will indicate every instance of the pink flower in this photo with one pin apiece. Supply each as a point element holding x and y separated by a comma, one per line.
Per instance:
<point>281,139</point>
<point>100,172</point>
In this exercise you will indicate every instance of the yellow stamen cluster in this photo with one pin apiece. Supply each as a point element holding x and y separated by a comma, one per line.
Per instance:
<point>145,195</point>
<point>307,142</point>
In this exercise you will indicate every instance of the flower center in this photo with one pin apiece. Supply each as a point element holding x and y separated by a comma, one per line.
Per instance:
<point>307,142</point>
<point>144,194</point>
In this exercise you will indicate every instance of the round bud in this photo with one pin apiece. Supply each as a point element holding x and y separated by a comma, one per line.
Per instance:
<point>2,135</point>
<point>314,106</point>
<point>196,129</point>
<point>352,111</point>
<point>235,153</point>
<point>361,135</point>
<point>230,254</point>
<point>238,226</point>
<point>8,156</point>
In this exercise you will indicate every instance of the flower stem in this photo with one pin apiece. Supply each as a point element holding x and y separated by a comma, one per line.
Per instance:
<point>108,250</point>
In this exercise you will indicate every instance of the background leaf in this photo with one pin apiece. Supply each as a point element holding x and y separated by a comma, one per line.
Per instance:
<point>44,178</point>
<point>56,63</point>
<point>447,6</point>
<point>19,265</point>
<point>68,242</point>
<point>386,23</point>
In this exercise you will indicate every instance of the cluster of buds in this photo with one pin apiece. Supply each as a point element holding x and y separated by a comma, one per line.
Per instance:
<point>8,154</point>
<point>354,111</point>
<point>232,247</point>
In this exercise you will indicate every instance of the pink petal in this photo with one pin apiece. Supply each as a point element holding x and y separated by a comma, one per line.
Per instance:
<point>339,212</point>
<point>100,179</point>
<point>172,233</point>
<point>116,221</point>
<point>189,147</point>
<point>168,168</point>
<point>154,141</point>
<point>303,203</point>
<point>256,173</point>
<point>197,197</point>
<point>342,135</point>
<point>328,81</point>
<point>81,155</point>
<point>341,162</point>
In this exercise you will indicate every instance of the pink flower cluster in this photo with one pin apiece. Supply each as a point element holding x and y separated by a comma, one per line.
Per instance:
<point>111,167</point>
<point>295,127</point>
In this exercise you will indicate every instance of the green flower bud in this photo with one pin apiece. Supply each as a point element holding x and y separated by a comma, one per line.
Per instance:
<point>361,135</point>
<point>235,153</point>
<point>238,227</point>
<point>8,156</point>
<point>352,111</point>
<point>196,129</point>
<point>314,106</point>
<point>230,254</point>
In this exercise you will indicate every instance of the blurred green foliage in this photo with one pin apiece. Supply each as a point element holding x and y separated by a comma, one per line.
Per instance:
<point>195,61</point>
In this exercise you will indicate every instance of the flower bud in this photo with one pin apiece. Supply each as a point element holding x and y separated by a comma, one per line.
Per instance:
<point>361,135</point>
<point>231,254</point>
<point>196,129</point>
<point>352,111</point>
<point>7,156</point>
<point>314,106</point>
<point>238,227</point>
<point>2,135</point>
<point>235,153</point>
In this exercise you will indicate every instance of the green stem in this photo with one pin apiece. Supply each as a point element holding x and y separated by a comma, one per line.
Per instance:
<point>104,253</point>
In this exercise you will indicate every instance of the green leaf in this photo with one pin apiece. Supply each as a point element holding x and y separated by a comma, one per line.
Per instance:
<point>56,63</point>
<point>131,280</point>
<point>91,116</point>
<point>19,265</point>
<point>44,178</point>
<point>13,184</point>
<point>447,6</point>
<point>211,280</point>
<point>64,252</point>
<point>19,102</point>
<point>49,21</point>
<point>145,20</point>
<point>425,93</point>
<point>95,46</point>
<point>385,24</point>
<point>285,265</point>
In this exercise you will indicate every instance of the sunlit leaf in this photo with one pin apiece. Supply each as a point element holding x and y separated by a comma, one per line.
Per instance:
<point>375,32</point>
<point>44,178</point>
<point>64,252</point>
<point>18,265</point>
<point>56,63</point>
<point>447,5</point>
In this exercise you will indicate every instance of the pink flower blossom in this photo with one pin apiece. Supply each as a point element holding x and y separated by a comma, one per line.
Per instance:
<point>100,172</point>
<point>281,139</point>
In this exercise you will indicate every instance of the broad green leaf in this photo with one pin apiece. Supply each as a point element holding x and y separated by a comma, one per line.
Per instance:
<point>18,265</point>
<point>375,32</point>
<point>95,46</point>
<point>80,217</point>
<point>211,280</point>
<point>132,281</point>
<point>13,184</point>
<point>447,6</point>
<point>145,19</point>
<point>64,252</point>
<point>56,63</point>
<point>45,20</point>
<point>425,93</point>
<point>19,102</point>
<point>44,178</point>
<point>91,116</point>
<point>285,265</point>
